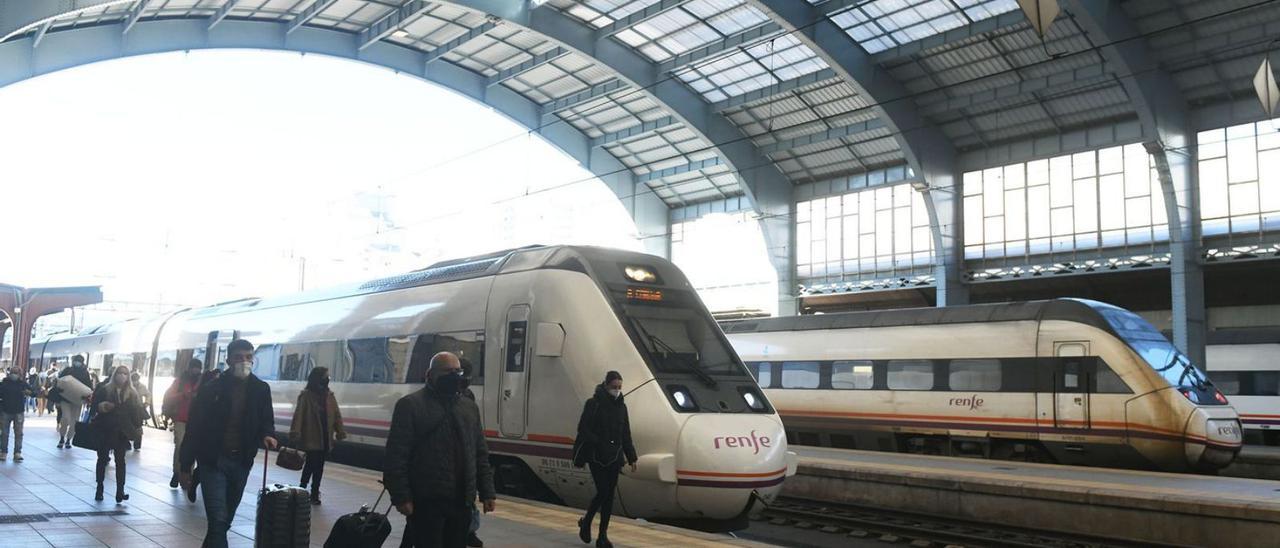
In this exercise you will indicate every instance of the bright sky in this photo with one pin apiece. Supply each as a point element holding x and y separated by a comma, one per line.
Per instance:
<point>192,178</point>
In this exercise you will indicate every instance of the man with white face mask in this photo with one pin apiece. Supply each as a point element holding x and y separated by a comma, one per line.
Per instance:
<point>229,419</point>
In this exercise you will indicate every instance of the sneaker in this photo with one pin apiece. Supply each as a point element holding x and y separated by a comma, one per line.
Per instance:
<point>17,457</point>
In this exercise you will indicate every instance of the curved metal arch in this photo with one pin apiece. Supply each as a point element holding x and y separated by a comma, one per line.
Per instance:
<point>1166,128</point>
<point>928,152</point>
<point>63,49</point>
<point>769,192</point>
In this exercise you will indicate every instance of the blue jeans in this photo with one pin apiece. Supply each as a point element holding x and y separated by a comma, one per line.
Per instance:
<point>222,486</point>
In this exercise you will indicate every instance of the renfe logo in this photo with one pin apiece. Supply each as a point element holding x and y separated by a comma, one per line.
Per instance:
<point>972,402</point>
<point>753,441</point>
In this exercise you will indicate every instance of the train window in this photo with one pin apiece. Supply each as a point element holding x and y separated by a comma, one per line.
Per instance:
<point>266,362</point>
<point>764,374</point>
<point>1106,381</point>
<point>981,375</point>
<point>165,361</point>
<point>910,375</point>
<point>331,354</point>
<point>295,363</point>
<point>516,334</point>
<point>370,360</point>
<point>1266,383</point>
<point>800,374</point>
<point>852,375</point>
<point>467,345</point>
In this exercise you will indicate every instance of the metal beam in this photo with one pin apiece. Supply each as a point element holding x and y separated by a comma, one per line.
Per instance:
<point>40,32</point>
<point>537,61</point>
<point>634,131</point>
<point>649,12</point>
<point>1162,112</point>
<point>585,96</point>
<point>680,169</point>
<point>774,90</point>
<point>929,153</point>
<point>459,41</point>
<point>1091,74</point>
<point>134,14</point>
<point>769,191</point>
<point>1005,20</point>
<point>823,136</point>
<point>222,13</point>
<point>733,41</point>
<point>308,14</point>
<point>383,28</point>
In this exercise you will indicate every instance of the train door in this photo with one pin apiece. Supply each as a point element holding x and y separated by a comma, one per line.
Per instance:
<point>1071,384</point>
<point>515,372</point>
<point>216,348</point>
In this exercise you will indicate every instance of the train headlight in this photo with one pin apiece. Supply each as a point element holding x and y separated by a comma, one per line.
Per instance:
<point>682,397</point>
<point>752,398</point>
<point>640,274</point>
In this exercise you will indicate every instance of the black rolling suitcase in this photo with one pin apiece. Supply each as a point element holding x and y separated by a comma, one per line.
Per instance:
<point>364,529</point>
<point>284,514</point>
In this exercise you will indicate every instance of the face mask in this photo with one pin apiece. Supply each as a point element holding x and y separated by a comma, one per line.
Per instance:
<point>449,383</point>
<point>616,393</point>
<point>121,379</point>
<point>241,370</point>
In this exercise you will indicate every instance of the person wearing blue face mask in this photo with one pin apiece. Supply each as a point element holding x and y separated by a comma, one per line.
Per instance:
<point>436,458</point>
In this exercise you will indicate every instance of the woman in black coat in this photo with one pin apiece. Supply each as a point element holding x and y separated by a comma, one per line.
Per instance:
<point>117,413</point>
<point>604,440</point>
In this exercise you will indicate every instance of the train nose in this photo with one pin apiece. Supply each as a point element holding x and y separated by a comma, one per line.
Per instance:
<point>1222,437</point>
<point>726,459</point>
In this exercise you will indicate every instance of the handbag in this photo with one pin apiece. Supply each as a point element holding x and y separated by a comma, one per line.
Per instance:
<point>88,436</point>
<point>290,459</point>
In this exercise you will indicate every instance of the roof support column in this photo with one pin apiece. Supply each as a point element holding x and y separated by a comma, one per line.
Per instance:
<point>1171,142</point>
<point>24,306</point>
<point>929,153</point>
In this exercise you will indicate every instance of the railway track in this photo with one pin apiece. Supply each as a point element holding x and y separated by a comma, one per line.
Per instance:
<point>843,522</point>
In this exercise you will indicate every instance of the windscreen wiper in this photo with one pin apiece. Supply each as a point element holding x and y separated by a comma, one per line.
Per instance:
<point>668,350</point>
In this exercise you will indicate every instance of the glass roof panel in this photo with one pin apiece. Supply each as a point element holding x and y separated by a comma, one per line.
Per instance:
<point>882,24</point>
<point>750,68</point>
<point>690,26</point>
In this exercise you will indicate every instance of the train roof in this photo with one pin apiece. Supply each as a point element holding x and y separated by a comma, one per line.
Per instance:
<point>1074,310</point>
<point>499,262</point>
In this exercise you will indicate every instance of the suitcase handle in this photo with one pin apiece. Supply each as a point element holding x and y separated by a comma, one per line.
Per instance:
<point>379,501</point>
<point>266,460</point>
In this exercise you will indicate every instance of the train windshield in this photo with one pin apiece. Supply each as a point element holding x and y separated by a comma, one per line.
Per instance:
<point>1157,351</point>
<point>676,334</point>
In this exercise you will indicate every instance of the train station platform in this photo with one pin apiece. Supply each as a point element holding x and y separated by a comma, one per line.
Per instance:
<point>1138,506</point>
<point>47,500</point>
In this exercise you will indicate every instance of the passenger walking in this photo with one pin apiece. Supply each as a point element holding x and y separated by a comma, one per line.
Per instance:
<point>317,423</point>
<point>142,390</point>
<point>117,413</point>
<point>229,419</point>
<point>69,407</point>
<point>177,406</point>
<point>437,459</point>
<point>604,440</point>
<point>13,395</point>
<point>42,389</point>
<point>33,380</point>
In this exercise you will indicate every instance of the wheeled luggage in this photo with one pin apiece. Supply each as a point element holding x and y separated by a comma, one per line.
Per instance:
<point>284,514</point>
<point>366,528</point>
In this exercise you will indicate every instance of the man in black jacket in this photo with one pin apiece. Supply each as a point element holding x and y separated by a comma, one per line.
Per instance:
<point>13,402</point>
<point>436,458</point>
<point>229,419</point>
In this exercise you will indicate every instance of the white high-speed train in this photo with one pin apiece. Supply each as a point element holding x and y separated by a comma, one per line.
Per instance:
<point>538,327</point>
<point>1066,380</point>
